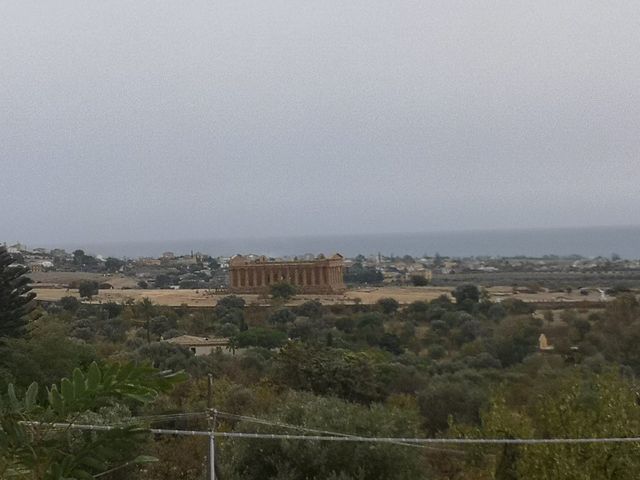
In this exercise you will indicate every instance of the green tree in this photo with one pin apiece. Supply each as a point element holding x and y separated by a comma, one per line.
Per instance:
<point>388,305</point>
<point>70,303</point>
<point>47,354</point>
<point>113,264</point>
<point>357,273</point>
<point>328,460</point>
<point>514,339</point>
<point>310,308</point>
<point>328,371</point>
<point>282,291</point>
<point>282,317</point>
<point>419,281</point>
<point>15,296</point>
<point>466,292</point>
<point>230,309</point>
<point>145,310</point>
<point>582,406</point>
<point>261,337</point>
<point>88,289</point>
<point>450,397</point>
<point>78,257</point>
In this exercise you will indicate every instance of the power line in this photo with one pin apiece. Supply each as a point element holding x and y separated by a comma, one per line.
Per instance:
<point>168,416</point>
<point>323,438</point>
<point>325,432</point>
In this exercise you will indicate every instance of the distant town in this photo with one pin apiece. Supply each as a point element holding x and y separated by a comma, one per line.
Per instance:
<point>558,278</point>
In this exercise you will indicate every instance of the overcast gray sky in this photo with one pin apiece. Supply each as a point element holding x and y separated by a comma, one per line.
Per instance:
<point>193,119</point>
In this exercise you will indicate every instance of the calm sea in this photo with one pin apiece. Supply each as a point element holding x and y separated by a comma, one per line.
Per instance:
<point>589,242</point>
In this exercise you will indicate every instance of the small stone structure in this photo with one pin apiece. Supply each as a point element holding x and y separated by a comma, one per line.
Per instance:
<point>322,275</point>
<point>200,345</point>
<point>543,343</point>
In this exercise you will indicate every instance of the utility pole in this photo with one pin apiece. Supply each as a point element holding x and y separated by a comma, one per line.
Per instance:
<point>211,416</point>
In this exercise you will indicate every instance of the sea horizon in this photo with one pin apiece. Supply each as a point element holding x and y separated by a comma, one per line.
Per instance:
<point>532,242</point>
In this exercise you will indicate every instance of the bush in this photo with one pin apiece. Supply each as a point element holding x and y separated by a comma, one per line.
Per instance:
<point>466,292</point>
<point>447,397</point>
<point>311,308</point>
<point>283,291</point>
<point>328,460</point>
<point>282,317</point>
<point>88,289</point>
<point>261,337</point>
<point>69,303</point>
<point>388,305</point>
<point>419,281</point>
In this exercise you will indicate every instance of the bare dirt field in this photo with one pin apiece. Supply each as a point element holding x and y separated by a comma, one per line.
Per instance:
<point>404,295</point>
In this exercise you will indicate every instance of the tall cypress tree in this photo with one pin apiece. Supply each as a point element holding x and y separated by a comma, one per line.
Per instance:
<point>15,296</point>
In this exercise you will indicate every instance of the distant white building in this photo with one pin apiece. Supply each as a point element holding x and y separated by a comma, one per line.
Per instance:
<point>17,248</point>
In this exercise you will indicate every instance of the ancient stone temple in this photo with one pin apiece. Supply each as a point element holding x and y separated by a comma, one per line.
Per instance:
<point>320,276</point>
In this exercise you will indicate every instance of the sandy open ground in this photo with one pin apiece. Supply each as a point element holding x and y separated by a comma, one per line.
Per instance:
<point>404,295</point>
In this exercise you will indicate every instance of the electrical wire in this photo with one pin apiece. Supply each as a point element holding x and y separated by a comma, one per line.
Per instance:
<point>323,438</point>
<point>325,432</point>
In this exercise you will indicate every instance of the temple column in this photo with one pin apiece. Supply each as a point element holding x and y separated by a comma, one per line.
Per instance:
<point>262,269</point>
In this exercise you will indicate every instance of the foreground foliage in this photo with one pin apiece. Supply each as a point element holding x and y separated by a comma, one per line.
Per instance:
<point>289,460</point>
<point>583,406</point>
<point>36,439</point>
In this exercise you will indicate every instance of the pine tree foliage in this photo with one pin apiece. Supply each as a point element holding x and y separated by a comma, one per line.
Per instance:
<point>15,296</point>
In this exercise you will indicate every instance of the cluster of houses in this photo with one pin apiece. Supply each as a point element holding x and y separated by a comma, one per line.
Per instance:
<point>198,270</point>
<point>37,259</point>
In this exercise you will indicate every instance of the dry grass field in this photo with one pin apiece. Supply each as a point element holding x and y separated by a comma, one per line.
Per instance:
<point>404,295</point>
